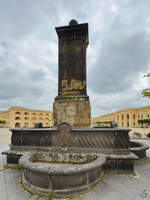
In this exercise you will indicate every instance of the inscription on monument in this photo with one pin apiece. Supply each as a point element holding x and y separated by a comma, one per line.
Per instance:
<point>71,65</point>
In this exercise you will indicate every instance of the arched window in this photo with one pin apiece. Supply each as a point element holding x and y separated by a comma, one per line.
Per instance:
<point>133,116</point>
<point>47,114</point>
<point>127,116</point>
<point>17,125</point>
<point>17,113</point>
<point>40,118</point>
<point>17,118</point>
<point>26,125</point>
<point>33,118</point>
<point>26,113</point>
<point>41,114</point>
<point>33,114</point>
<point>33,124</point>
<point>26,118</point>
<point>47,119</point>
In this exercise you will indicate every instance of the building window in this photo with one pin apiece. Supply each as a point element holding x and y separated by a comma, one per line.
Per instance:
<point>33,114</point>
<point>127,116</point>
<point>17,113</point>
<point>33,124</point>
<point>26,125</point>
<point>26,118</point>
<point>17,125</point>
<point>33,118</point>
<point>26,113</point>
<point>17,118</point>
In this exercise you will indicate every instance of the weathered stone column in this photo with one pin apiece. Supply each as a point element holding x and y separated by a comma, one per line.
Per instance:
<point>72,103</point>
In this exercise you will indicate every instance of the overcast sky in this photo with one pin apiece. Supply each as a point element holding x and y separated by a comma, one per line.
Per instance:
<point>118,54</point>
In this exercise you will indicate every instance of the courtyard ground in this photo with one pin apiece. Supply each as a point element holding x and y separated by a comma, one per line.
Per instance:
<point>140,133</point>
<point>112,187</point>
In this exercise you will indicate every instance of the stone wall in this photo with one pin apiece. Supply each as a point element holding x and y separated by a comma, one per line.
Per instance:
<point>72,110</point>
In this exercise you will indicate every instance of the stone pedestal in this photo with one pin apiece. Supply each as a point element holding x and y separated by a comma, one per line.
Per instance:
<point>75,110</point>
<point>72,103</point>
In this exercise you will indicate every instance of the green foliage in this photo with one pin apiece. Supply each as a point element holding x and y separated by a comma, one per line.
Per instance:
<point>144,121</point>
<point>104,122</point>
<point>145,93</point>
<point>2,122</point>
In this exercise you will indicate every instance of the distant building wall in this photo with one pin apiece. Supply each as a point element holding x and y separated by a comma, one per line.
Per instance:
<point>125,118</point>
<point>23,117</point>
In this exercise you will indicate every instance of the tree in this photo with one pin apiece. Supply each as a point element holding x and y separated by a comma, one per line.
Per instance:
<point>146,92</point>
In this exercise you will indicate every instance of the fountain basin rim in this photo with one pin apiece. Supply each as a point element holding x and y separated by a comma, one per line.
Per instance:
<point>128,155</point>
<point>25,162</point>
<point>141,147</point>
<point>82,129</point>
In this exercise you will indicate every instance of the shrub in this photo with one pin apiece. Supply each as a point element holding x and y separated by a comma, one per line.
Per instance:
<point>2,122</point>
<point>104,122</point>
<point>144,121</point>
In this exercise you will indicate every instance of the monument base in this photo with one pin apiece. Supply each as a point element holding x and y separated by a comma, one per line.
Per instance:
<point>73,109</point>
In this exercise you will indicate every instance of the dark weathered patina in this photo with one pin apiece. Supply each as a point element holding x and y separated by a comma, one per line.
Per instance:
<point>61,174</point>
<point>73,41</point>
<point>72,103</point>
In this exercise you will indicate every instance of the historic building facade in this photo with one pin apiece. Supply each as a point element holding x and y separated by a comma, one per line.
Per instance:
<point>23,117</point>
<point>125,118</point>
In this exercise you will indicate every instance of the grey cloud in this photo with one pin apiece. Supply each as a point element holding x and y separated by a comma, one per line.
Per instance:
<point>16,80</point>
<point>119,43</point>
<point>120,61</point>
<point>18,17</point>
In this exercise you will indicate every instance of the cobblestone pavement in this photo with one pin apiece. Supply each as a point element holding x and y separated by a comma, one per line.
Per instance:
<point>113,186</point>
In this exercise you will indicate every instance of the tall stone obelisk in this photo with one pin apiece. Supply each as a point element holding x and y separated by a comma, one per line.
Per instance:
<point>72,103</point>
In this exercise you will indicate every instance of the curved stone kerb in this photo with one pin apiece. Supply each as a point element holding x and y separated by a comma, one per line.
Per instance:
<point>26,163</point>
<point>139,146</point>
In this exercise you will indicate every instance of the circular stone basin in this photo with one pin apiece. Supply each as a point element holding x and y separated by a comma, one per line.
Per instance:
<point>139,149</point>
<point>60,174</point>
